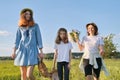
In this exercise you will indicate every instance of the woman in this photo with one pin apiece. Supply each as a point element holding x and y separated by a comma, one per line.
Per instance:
<point>92,44</point>
<point>28,44</point>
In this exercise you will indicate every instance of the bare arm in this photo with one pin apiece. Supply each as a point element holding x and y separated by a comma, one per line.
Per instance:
<point>41,50</point>
<point>54,60</point>
<point>41,55</point>
<point>70,56</point>
<point>80,46</point>
<point>17,41</point>
<point>13,54</point>
<point>101,49</point>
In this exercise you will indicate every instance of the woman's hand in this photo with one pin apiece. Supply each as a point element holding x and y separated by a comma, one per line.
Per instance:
<point>76,38</point>
<point>13,55</point>
<point>41,55</point>
<point>101,52</point>
<point>77,41</point>
<point>101,48</point>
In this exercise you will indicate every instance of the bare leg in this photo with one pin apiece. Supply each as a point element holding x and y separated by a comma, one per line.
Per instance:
<point>89,77</point>
<point>94,74</point>
<point>96,78</point>
<point>30,73</point>
<point>23,70</point>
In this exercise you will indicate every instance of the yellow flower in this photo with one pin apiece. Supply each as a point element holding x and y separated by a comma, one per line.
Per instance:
<point>74,35</point>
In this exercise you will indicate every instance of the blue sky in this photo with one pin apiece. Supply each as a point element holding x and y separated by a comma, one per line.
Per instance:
<point>53,14</point>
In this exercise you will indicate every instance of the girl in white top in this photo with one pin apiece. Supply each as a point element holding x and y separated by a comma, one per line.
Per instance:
<point>62,54</point>
<point>92,62</point>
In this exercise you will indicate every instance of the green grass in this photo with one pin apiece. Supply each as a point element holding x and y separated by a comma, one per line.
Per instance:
<point>10,72</point>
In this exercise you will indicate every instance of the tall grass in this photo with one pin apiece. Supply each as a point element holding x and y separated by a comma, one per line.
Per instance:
<point>10,72</point>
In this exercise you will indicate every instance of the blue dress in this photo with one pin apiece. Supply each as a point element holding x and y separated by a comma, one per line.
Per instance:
<point>27,43</point>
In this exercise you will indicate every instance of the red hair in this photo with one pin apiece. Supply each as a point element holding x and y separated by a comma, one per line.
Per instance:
<point>23,22</point>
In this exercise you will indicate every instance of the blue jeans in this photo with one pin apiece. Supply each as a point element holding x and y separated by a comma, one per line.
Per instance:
<point>60,67</point>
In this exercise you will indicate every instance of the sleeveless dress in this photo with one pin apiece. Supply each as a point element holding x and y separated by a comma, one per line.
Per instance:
<point>27,43</point>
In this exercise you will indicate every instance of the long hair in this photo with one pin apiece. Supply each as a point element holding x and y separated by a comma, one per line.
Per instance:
<point>95,28</point>
<point>58,39</point>
<point>23,22</point>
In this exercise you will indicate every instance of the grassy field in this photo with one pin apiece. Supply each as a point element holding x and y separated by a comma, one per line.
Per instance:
<point>10,72</point>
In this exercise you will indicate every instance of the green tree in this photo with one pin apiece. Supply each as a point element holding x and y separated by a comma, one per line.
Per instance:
<point>109,46</point>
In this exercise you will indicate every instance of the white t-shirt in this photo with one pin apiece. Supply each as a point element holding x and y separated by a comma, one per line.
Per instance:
<point>91,46</point>
<point>63,50</point>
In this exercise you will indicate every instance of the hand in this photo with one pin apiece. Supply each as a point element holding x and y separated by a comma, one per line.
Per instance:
<point>41,55</point>
<point>76,37</point>
<point>101,52</point>
<point>77,41</point>
<point>13,55</point>
<point>53,68</point>
<point>69,66</point>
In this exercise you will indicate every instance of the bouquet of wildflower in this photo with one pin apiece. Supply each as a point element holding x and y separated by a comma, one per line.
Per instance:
<point>74,35</point>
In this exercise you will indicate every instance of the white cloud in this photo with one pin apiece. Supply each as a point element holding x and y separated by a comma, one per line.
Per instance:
<point>4,33</point>
<point>119,34</point>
